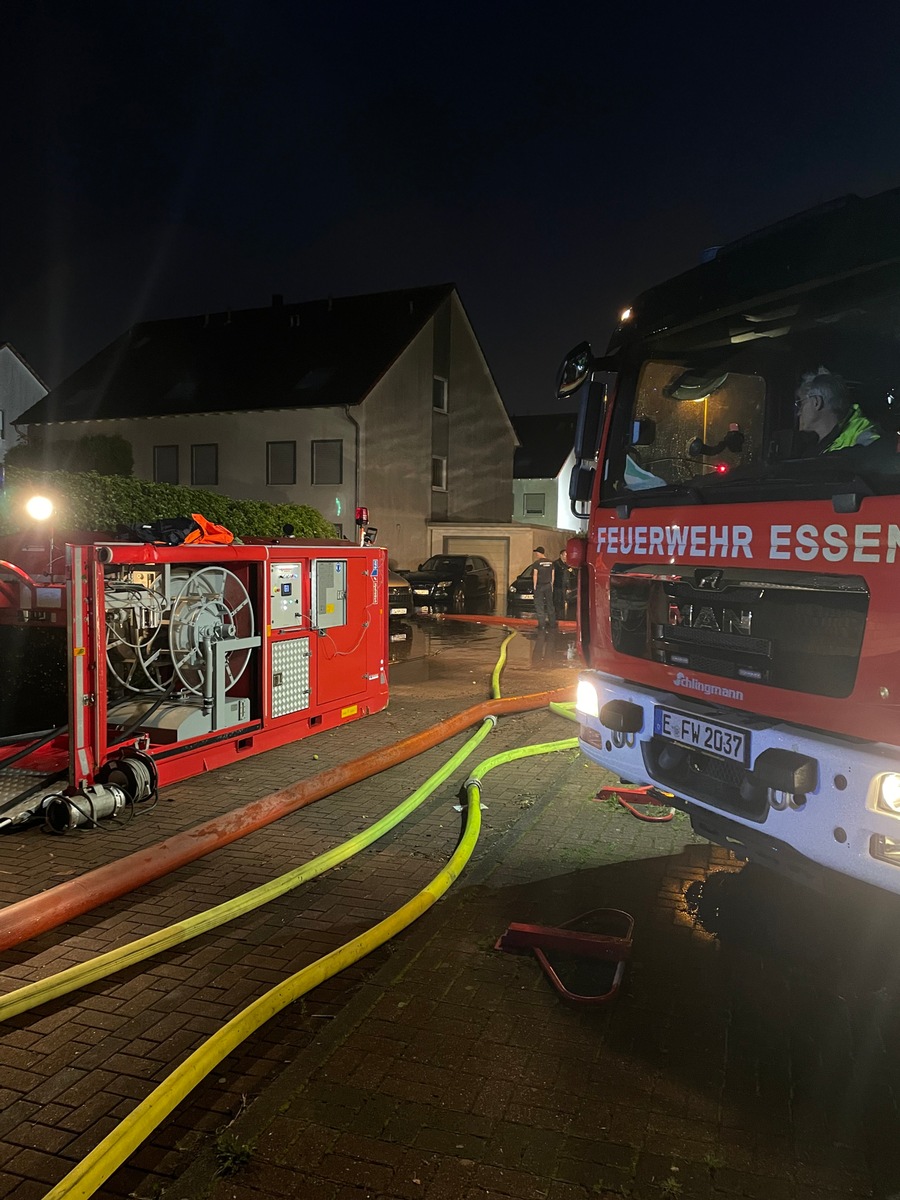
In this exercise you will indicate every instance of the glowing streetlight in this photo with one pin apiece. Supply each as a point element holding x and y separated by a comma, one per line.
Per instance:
<point>39,508</point>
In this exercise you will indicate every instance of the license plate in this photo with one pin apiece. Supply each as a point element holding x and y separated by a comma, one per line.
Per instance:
<point>398,637</point>
<point>398,612</point>
<point>526,596</point>
<point>709,736</point>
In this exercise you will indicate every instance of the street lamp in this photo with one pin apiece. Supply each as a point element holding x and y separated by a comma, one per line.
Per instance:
<point>39,508</point>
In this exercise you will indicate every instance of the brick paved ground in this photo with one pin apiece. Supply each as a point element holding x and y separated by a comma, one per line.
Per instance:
<point>758,1062</point>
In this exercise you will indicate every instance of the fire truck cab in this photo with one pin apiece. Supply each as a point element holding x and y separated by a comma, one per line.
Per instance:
<point>739,591</point>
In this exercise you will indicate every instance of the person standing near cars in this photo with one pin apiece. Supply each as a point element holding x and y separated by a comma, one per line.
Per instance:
<point>543,572</point>
<point>563,579</point>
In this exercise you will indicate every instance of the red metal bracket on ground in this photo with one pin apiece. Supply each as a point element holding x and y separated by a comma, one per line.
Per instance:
<point>629,796</point>
<point>609,947</point>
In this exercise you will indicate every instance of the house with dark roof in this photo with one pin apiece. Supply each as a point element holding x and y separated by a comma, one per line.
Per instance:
<point>20,388</point>
<point>542,466</point>
<point>381,400</point>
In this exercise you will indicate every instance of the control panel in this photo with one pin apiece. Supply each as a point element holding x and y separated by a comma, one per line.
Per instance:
<point>285,595</point>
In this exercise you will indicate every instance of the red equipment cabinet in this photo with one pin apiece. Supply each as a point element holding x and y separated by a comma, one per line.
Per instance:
<point>180,659</point>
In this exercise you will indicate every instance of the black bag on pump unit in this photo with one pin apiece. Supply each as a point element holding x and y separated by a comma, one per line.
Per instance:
<point>167,531</point>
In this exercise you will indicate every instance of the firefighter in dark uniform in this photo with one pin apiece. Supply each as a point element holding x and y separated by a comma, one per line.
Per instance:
<point>542,576</point>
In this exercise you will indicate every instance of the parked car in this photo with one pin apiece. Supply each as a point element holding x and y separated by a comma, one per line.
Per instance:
<point>520,597</point>
<point>454,583</point>
<point>400,599</point>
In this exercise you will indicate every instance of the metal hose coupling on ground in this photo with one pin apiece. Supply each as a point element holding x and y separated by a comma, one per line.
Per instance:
<point>25,919</point>
<point>43,990</point>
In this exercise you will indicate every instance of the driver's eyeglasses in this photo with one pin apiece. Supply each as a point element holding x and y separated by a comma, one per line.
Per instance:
<point>799,402</point>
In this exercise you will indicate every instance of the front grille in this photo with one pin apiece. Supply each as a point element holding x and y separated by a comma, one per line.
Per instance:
<point>786,629</point>
<point>713,640</point>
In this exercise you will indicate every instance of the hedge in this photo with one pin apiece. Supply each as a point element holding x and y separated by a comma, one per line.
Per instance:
<point>101,503</point>
<point>105,453</point>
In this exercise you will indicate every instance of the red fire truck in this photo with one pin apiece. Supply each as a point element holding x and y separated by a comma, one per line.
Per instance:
<point>739,602</point>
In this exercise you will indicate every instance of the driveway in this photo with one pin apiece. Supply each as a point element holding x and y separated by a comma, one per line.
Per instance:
<point>752,1051</point>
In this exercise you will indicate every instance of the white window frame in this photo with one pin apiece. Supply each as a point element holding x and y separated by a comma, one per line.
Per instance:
<point>534,512</point>
<point>440,403</point>
<point>438,460</point>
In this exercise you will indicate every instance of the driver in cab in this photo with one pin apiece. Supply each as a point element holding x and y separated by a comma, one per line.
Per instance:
<point>824,408</point>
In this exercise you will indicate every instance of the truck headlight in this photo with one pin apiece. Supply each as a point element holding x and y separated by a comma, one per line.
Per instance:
<point>889,793</point>
<point>586,700</point>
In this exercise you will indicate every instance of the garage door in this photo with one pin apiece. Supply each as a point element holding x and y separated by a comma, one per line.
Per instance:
<point>494,549</point>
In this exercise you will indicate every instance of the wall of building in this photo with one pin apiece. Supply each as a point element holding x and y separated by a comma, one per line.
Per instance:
<point>399,434</point>
<point>395,474</point>
<point>20,388</point>
<point>481,438</point>
<point>242,457</point>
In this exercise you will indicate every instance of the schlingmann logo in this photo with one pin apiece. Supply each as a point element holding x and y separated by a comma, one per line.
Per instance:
<point>708,689</point>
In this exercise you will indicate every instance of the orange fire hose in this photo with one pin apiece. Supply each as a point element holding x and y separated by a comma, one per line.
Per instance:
<point>36,914</point>
<point>512,622</point>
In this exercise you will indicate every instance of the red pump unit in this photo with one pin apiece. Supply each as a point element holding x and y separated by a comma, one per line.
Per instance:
<point>177,660</point>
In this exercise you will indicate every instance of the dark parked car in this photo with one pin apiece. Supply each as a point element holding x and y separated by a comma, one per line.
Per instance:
<point>454,583</point>
<point>400,601</point>
<point>520,597</point>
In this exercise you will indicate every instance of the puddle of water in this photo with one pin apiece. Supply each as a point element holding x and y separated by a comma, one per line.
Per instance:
<point>417,640</point>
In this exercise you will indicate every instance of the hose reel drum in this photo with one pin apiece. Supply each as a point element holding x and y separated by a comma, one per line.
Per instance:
<point>182,637</point>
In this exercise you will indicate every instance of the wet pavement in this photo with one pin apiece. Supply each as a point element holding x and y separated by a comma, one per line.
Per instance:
<point>752,1051</point>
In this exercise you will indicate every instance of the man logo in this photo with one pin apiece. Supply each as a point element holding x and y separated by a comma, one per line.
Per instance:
<point>702,616</point>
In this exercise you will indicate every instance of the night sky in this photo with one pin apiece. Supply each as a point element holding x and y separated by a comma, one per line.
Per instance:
<point>164,159</point>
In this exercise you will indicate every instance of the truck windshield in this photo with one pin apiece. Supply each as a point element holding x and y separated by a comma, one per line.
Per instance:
<point>720,418</point>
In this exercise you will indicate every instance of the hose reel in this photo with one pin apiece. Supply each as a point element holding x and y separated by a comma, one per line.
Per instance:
<point>160,635</point>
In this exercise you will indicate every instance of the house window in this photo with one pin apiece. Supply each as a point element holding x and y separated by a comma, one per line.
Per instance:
<point>328,461</point>
<point>338,529</point>
<point>205,464</point>
<point>165,464</point>
<point>534,503</point>
<point>439,474</point>
<point>281,462</point>
<point>439,394</point>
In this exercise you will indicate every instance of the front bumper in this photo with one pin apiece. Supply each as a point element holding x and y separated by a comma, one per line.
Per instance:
<point>428,600</point>
<point>834,822</point>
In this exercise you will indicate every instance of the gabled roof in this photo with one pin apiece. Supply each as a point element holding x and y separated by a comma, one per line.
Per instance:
<point>24,361</point>
<point>317,353</point>
<point>545,445</point>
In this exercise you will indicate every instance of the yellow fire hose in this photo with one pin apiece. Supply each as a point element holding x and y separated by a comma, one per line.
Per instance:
<point>43,990</point>
<point>500,664</point>
<point>60,984</point>
<point>134,1129</point>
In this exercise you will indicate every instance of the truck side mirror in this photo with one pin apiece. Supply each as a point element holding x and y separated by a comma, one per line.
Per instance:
<point>581,484</point>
